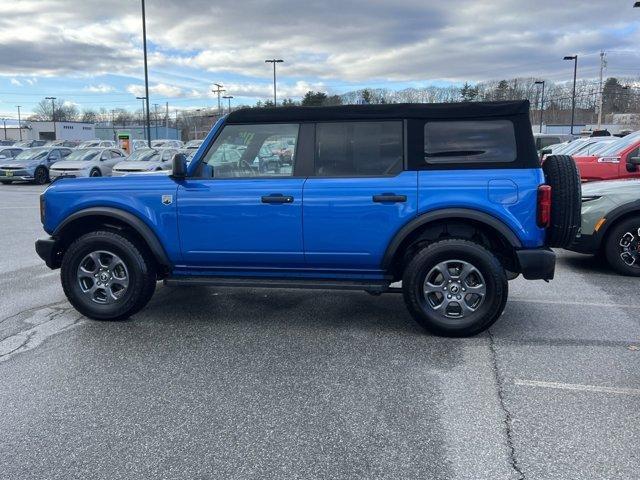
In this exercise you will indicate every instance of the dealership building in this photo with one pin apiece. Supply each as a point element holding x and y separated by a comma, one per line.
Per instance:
<point>49,131</point>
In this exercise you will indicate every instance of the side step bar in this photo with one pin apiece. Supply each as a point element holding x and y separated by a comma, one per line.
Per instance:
<point>379,286</point>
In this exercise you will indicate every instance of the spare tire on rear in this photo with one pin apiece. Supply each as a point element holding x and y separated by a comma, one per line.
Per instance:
<point>561,173</point>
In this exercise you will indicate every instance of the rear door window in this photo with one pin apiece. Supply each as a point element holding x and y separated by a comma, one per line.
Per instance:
<point>469,142</point>
<point>358,149</point>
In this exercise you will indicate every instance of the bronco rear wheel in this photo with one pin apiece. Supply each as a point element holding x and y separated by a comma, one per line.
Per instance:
<point>106,276</point>
<point>455,288</point>
<point>562,175</point>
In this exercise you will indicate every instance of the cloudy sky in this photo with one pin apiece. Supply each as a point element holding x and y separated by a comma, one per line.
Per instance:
<point>89,51</point>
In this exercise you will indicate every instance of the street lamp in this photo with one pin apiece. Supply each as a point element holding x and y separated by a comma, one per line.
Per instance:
<point>144,129</point>
<point>573,96</point>
<point>541,82</point>
<point>155,109</point>
<point>274,61</point>
<point>53,114</point>
<point>146,71</point>
<point>19,122</point>
<point>229,97</point>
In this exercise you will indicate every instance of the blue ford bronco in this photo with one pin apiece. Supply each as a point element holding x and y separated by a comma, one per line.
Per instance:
<point>450,199</point>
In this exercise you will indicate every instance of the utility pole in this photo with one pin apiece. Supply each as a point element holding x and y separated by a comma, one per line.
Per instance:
<point>53,114</point>
<point>541,82</point>
<point>146,71</point>
<point>4,123</point>
<point>218,90</point>
<point>573,96</point>
<point>274,61</point>
<point>145,134</point>
<point>19,122</point>
<point>155,109</point>
<point>603,65</point>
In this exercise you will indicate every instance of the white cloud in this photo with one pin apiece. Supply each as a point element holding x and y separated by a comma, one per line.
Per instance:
<point>101,88</point>
<point>161,90</point>
<point>16,82</point>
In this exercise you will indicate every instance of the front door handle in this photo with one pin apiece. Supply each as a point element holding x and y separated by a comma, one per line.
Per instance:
<point>277,198</point>
<point>389,198</point>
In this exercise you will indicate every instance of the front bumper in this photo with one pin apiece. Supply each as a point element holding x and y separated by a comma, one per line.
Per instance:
<point>47,249</point>
<point>537,263</point>
<point>67,173</point>
<point>16,175</point>
<point>585,244</point>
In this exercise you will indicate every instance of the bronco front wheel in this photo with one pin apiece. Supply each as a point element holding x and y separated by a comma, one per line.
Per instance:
<point>106,276</point>
<point>455,288</point>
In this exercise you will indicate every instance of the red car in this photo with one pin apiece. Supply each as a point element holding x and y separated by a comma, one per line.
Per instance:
<point>619,159</point>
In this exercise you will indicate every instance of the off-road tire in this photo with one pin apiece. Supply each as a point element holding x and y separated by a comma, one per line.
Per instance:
<point>475,254</point>
<point>612,246</point>
<point>562,175</point>
<point>139,263</point>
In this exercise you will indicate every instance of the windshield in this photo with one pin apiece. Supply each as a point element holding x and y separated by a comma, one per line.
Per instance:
<point>82,155</point>
<point>88,144</point>
<point>158,143</point>
<point>32,154</point>
<point>617,146</point>
<point>143,155</point>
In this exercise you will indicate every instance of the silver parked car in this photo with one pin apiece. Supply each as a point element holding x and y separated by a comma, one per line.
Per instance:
<point>146,160</point>
<point>32,165</point>
<point>88,162</point>
<point>166,144</point>
<point>9,152</point>
<point>97,143</point>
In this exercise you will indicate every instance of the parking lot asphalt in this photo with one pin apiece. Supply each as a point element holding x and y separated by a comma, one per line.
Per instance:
<point>292,384</point>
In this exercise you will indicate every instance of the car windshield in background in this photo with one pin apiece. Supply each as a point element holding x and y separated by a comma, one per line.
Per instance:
<point>617,146</point>
<point>32,154</point>
<point>142,155</point>
<point>88,144</point>
<point>82,155</point>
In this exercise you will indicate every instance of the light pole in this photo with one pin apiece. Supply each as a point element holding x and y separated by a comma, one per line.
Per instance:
<point>53,114</point>
<point>19,122</point>
<point>155,109</point>
<point>218,90</point>
<point>146,71</point>
<point>573,96</point>
<point>228,98</point>
<point>274,61</point>
<point>144,135</point>
<point>541,82</point>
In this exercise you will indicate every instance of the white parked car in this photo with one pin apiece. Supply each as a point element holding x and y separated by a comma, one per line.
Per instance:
<point>7,153</point>
<point>97,144</point>
<point>146,160</point>
<point>87,162</point>
<point>166,144</point>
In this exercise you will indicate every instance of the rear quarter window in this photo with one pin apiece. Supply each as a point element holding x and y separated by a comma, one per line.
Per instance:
<point>469,142</point>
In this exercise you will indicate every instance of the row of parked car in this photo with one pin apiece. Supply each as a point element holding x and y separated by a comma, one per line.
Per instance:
<point>91,159</point>
<point>97,158</point>
<point>609,168</point>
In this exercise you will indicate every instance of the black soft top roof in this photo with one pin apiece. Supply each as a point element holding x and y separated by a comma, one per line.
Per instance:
<point>388,111</point>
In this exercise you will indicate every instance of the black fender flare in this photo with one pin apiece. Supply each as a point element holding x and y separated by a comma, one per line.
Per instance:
<point>447,213</point>
<point>613,216</point>
<point>123,216</point>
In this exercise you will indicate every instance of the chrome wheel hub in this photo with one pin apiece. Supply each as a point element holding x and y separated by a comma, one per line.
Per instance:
<point>454,289</point>
<point>630,248</point>
<point>103,277</point>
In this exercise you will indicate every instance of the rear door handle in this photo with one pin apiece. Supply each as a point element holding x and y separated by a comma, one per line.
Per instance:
<point>277,198</point>
<point>389,198</point>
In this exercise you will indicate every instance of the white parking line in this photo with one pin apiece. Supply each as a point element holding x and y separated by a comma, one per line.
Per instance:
<point>577,387</point>
<point>583,304</point>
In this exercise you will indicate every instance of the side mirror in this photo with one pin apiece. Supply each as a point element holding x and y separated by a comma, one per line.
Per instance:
<point>179,165</point>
